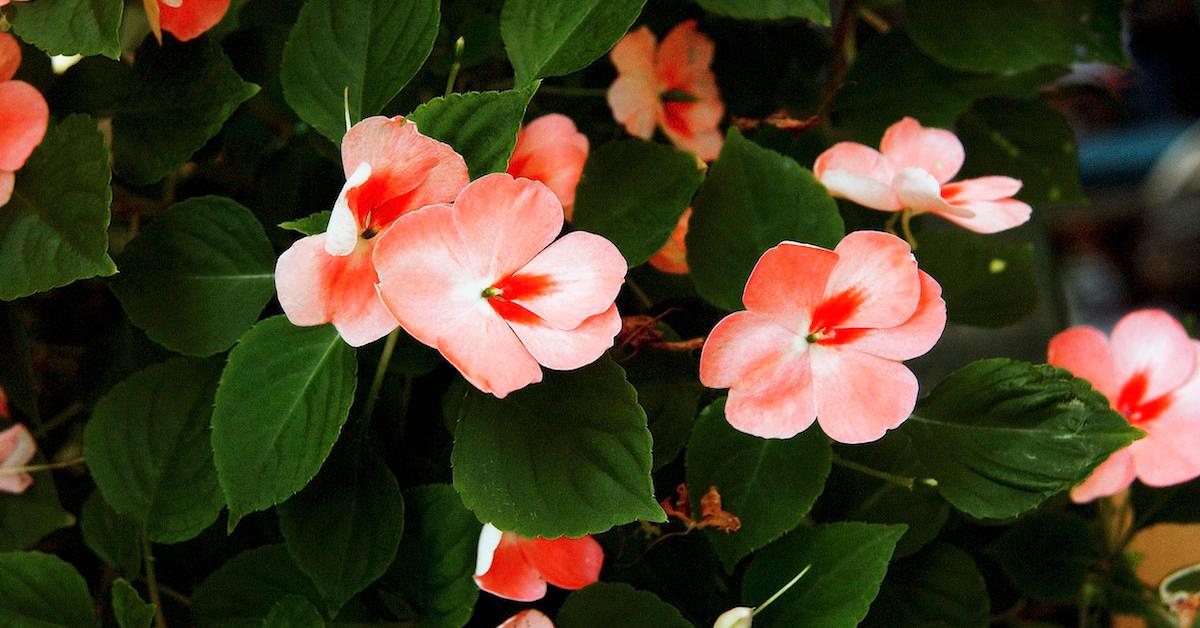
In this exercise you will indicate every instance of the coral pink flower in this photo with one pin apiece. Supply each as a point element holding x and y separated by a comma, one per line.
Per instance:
<point>517,568</point>
<point>669,86</point>
<point>17,448</point>
<point>391,169</point>
<point>672,257</point>
<point>823,337</point>
<point>550,150</point>
<point>185,19</point>
<point>911,172</point>
<point>532,618</point>
<point>485,282</point>
<point>1150,373</point>
<point>24,117</point>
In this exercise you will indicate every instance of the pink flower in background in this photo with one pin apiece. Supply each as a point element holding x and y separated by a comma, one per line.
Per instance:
<point>24,117</point>
<point>911,171</point>
<point>532,618</point>
<point>552,151</point>
<point>669,86</point>
<point>391,169</point>
<point>514,567</point>
<point>672,257</point>
<point>485,282</point>
<point>17,448</point>
<point>185,19</point>
<point>823,338</point>
<point>1149,371</point>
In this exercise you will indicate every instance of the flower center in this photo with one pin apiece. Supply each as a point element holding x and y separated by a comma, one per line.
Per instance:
<point>678,95</point>
<point>1131,404</point>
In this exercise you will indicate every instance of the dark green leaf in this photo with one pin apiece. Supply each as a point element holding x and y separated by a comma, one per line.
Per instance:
<point>148,449</point>
<point>986,36</point>
<point>1025,140</point>
<point>815,10</point>
<point>939,587</point>
<point>633,193</point>
<point>1000,436</point>
<point>764,198</point>
<point>344,528</point>
<point>284,395</point>
<point>1171,504</point>
<point>434,567</point>
<point>986,281</point>
<point>770,484</point>
<point>293,611</point>
<point>1047,555</point>
<point>309,225</point>
<point>198,277</point>
<point>16,370</point>
<point>555,38</point>
<point>185,92</point>
<point>669,393</point>
<point>607,604</point>
<point>848,562</point>
<point>566,457</point>
<point>480,126</point>
<point>26,518</point>
<point>244,590</point>
<point>52,234</point>
<point>115,538</point>
<point>70,27</point>
<point>369,47</point>
<point>129,608</point>
<point>39,590</point>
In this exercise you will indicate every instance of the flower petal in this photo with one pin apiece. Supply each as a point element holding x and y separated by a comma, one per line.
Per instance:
<point>551,150</point>
<point>879,271</point>
<point>10,56</point>
<point>565,562</point>
<point>578,277</point>
<point>192,18</point>
<point>633,97</point>
<point>1084,351</point>
<point>510,575</point>
<point>988,216</point>
<point>17,448</point>
<point>528,618</point>
<point>787,283</point>
<point>634,54</point>
<point>24,116</point>
<point>672,257</point>
<point>8,181</point>
<point>315,288</point>
<point>488,353</point>
<point>489,539</point>
<point>1152,343</point>
<point>981,189</point>
<point>907,144</point>
<point>919,191</point>
<point>916,336</point>
<point>1167,454</point>
<point>684,54</point>
<point>345,226</point>
<point>858,173</point>
<point>504,222</point>
<point>1111,477</point>
<point>568,349</point>
<point>860,396</point>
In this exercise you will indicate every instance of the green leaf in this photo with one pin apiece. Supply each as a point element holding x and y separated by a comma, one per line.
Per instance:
<point>26,518</point>
<point>434,567</point>
<point>344,528</point>
<point>185,93</point>
<point>763,197</point>
<point>669,393</point>
<point>70,27</point>
<point>1047,555</point>
<point>309,225</point>
<point>815,10</point>
<point>633,193</point>
<point>566,457</point>
<point>16,370</point>
<point>115,538</point>
<point>770,484</point>
<point>1026,140</point>
<point>480,126</point>
<point>198,277</point>
<point>371,48</point>
<point>606,604</point>
<point>848,562</point>
<point>986,282</point>
<point>293,611</point>
<point>1000,436</point>
<point>941,586</point>
<point>284,395</point>
<point>148,449</point>
<point>52,234</point>
<point>245,589</point>
<point>987,36</point>
<point>129,608</point>
<point>39,590</point>
<point>922,509</point>
<point>1170,504</point>
<point>555,38</point>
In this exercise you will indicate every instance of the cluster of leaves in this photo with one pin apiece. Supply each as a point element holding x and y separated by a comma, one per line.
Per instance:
<point>247,466</point>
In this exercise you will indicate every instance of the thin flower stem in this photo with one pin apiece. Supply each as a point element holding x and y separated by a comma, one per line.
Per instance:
<point>641,295</point>
<point>380,372</point>
<point>62,417</point>
<point>160,620</point>
<point>182,599</point>
<point>459,45</point>
<point>580,92</point>
<point>784,589</point>
<point>34,468</point>
<point>899,480</point>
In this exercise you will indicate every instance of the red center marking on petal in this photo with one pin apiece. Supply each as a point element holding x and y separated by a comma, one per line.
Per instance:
<point>514,287</point>
<point>835,310</point>
<point>674,113</point>
<point>512,312</point>
<point>1130,402</point>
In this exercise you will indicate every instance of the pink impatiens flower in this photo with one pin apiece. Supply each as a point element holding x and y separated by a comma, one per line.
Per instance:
<point>670,86</point>
<point>672,257</point>
<point>1150,373</point>
<point>823,337</point>
<point>185,19</point>
<point>24,117</point>
<point>911,173</point>
<point>552,151</point>
<point>391,169</point>
<point>17,448</point>
<point>530,618</point>
<point>485,282</point>
<point>514,567</point>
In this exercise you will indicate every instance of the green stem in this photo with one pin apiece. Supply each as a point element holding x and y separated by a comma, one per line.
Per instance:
<point>898,480</point>
<point>642,297</point>
<point>781,591</point>
<point>380,372</point>
<point>459,44</point>
<point>160,621</point>
<point>906,228</point>
<point>581,92</point>
<point>34,468</point>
